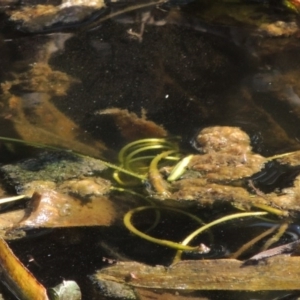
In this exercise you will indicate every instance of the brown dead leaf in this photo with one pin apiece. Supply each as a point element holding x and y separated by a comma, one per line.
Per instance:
<point>49,209</point>
<point>53,209</point>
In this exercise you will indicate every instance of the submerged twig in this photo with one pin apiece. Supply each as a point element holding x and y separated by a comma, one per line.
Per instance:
<point>282,229</point>
<point>249,244</point>
<point>265,207</point>
<point>284,249</point>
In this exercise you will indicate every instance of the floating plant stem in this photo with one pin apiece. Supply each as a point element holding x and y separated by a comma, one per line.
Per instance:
<point>221,220</point>
<point>143,143</point>
<point>11,199</point>
<point>167,243</point>
<point>116,176</point>
<point>136,156</point>
<point>216,222</point>
<point>132,151</point>
<point>33,144</point>
<point>271,209</point>
<point>144,169</point>
<point>120,169</point>
<point>157,211</point>
<point>130,156</point>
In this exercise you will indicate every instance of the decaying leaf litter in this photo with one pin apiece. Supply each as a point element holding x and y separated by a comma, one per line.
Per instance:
<point>234,177</point>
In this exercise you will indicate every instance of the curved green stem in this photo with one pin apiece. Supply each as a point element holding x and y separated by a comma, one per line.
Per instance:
<point>142,143</point>
<point>138,151</point>
<point>13,198</point>
<point>157,212</point>
<point>144,169</point>
<point>167,243</point>
<point>216,222</point>
<point>120,169</point>
<point>132,153</point>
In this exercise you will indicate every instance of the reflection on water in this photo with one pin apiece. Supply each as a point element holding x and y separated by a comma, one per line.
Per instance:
<point>182,64</point>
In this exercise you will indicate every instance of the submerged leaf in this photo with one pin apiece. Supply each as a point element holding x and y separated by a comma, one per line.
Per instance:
<point>49,209</point>
<point>53,209</point>
<point>279,273</point>
<point>18,279</point>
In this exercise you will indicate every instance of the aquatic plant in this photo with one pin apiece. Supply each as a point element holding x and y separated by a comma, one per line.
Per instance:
<point>157,162</point>
<point>184,244</point>
<point>153,175</point>
<point>141,157</point>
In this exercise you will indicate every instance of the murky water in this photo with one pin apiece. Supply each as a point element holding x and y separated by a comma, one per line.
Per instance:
<point>185,65</point>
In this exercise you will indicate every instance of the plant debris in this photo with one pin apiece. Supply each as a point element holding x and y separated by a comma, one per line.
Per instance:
<point>279,273</point>
<point>19,280</point>
<point>224,172</point>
